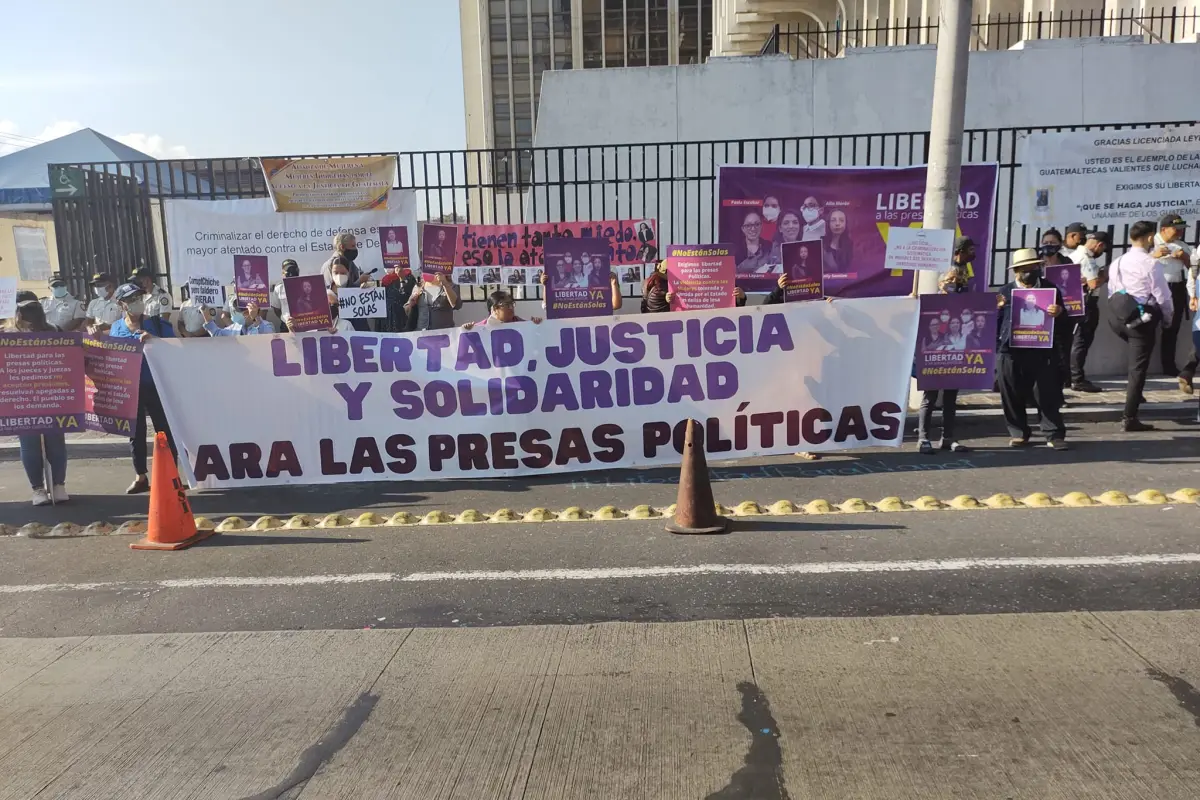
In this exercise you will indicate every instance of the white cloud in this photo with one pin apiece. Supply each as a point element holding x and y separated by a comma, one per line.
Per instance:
<point>151,144</point>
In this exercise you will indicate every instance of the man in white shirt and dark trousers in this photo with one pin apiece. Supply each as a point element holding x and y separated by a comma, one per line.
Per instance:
<point>1085,248</point>
<point>1175,257</point>
<point>62,310</point>
<point>1140,301</point>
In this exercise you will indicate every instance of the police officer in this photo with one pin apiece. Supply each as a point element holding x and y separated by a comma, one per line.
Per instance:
<point>62,310</point>
<point>104,310</point>
<point>158,302</point>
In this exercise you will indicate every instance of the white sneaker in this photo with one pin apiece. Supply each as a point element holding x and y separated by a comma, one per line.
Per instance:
<point>40,498</point>
<point>60,494</point>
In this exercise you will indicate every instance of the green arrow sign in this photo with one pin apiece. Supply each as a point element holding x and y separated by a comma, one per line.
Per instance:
<point>67,182</point>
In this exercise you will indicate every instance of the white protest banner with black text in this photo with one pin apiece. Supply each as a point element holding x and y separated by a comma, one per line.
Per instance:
<point>204,235</point>
<point>526,399</point>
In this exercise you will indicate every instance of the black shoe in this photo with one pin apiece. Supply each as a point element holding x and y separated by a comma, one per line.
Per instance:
<point>1086,386</point>
<point>1135,426</point>
<point>925,448</point>
<point>1057,444</point>
<point>955,447</point>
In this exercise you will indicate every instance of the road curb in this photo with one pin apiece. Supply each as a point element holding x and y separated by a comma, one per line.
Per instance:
<point>1111,498</point>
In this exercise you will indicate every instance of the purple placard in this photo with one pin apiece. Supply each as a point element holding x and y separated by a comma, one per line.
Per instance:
<point>802,262</point>
<point>1030,322</point>
<point>700,276</point>
<point>393,244</point>
<point>113,369</point>
<point>577,272</point>
<point>1068,280</point>
<point>250,279</point>
<point>438,244</point>
<point>956,341</point>
<point>850,210</point>
<point>41,382</point>
<point>308,304</point>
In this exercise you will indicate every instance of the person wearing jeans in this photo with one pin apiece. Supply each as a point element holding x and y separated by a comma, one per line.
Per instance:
<point>55,443</point>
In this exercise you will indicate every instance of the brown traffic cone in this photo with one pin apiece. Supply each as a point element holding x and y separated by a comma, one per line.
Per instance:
<point>170,525</point>
<point>695,511</point>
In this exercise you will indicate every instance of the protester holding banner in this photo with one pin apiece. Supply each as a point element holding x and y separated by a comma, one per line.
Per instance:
<point>503,311</point>
<point>1025,370</point>
<point>136,324</point>
<point>655,297</point>
<point>247,323</point>
<point>1094,277</point>
<point>31,318</point>
<point>345,246</point>
<point>433,303</point>
<point>104,310</point>
<point>1140,301</point>
<point>279,301</point>
<point>398,285</point>
<point>954,281</point>
<point>342,271</point>
<point>63,312</point>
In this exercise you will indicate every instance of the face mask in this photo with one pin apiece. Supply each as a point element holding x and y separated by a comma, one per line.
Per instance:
<point>810,214</point>
<point>59,291</point>
<point>100,292</point>
<point>291,272</point>
<point>238,318</point>
<point>341,280</point>
<point>351,253</point>
<point>1048,250</point>
<point>771,213</point>
<point>135,307</point>
<point>1030,276</point>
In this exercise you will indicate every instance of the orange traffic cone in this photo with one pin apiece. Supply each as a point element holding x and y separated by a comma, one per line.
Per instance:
<point>171,525</point>
<point>695,511</point>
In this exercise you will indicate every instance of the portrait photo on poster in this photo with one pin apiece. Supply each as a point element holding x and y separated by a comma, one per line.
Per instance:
<point>308,303</point>
<point>251,279</point>
<point>393,242</point>
<point>438,247</point>
<point>802,263</point>
<point>1030,320</point>
<point>956,341</point>
<point>577,278</point>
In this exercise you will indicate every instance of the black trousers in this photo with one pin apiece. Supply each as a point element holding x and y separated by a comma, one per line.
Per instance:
<point>949,412</point>
<point>1170,336</point>
<point>1024,372</point>
<point>148,404</point>
<point>1141,345</point>
<point>1085,334</point>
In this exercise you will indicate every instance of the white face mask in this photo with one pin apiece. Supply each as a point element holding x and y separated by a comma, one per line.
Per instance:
<point>342,279</point>
<point>100,292</point>
<point>59,291</point>
<point>771,213</point>
<point>135,307</point>
<point>810,214</point>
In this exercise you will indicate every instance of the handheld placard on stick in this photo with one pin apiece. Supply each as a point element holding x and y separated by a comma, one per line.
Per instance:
<point>695,511</point>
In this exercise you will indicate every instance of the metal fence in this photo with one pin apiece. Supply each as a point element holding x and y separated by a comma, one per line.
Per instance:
<point>124,226</point>
<point>988,32</point>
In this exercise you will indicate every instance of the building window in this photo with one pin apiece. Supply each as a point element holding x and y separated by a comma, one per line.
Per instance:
<point>33,259</point>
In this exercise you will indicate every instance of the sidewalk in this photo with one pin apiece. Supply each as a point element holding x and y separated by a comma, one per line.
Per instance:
<point>1021,706</point>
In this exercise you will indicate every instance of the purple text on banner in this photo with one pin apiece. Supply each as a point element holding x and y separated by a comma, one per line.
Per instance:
<point>41,382</point>
<point>700,276</point>
<point>1030,321</point>
<point>802,263</point>
<point>577,278</point>
<point>113,369</point>
<point>956,341</point>
<point>850,210</point>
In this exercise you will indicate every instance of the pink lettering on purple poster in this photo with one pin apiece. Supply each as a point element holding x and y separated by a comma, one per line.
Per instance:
<point>1030,320</point>
<point>700,276</point>
<point>577,278</point>
<point>113,369</point>
<point>956,341</point>
<point>41,382</point>
<point>802,265</point>
<point>308,304</point>
<point>762,208</point>
<point>251,281</point>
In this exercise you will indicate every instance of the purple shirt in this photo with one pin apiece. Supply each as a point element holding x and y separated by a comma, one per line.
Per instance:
<point>1141,277</point>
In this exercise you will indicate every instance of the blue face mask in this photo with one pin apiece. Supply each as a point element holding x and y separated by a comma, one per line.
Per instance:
<point>238,318</point>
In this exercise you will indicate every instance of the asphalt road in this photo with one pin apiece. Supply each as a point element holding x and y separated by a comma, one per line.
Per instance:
<point>1102,458</point>
<point>853,565</point>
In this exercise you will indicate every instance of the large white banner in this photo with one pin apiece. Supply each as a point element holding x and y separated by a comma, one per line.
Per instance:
<point>523,399</point>
<point>1116,176</point>
<point>204,235</point>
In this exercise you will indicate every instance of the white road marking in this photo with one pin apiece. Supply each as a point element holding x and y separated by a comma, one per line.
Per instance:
<point>617,573</point>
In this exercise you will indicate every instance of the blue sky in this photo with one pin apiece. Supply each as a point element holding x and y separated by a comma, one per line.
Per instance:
<point>215,78</point>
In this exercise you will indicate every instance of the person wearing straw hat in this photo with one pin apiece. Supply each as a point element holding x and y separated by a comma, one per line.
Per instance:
<point>1023,371</point>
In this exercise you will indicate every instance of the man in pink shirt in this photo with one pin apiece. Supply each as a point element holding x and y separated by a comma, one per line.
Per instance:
<point>1140,300</point>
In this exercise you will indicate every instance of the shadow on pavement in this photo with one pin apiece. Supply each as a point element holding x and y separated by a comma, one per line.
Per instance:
<point>239,539</point>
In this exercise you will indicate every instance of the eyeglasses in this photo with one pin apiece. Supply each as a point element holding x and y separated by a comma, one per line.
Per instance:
<point>503,305</point>
<point>751,225</point>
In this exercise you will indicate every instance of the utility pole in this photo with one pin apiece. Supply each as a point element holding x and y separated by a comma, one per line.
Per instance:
<point>946,126</point>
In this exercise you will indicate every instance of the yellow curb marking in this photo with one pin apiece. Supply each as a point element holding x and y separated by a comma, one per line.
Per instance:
<point>747,508</point>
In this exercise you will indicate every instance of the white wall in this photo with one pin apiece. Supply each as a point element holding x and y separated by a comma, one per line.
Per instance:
<point>861,96</point>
